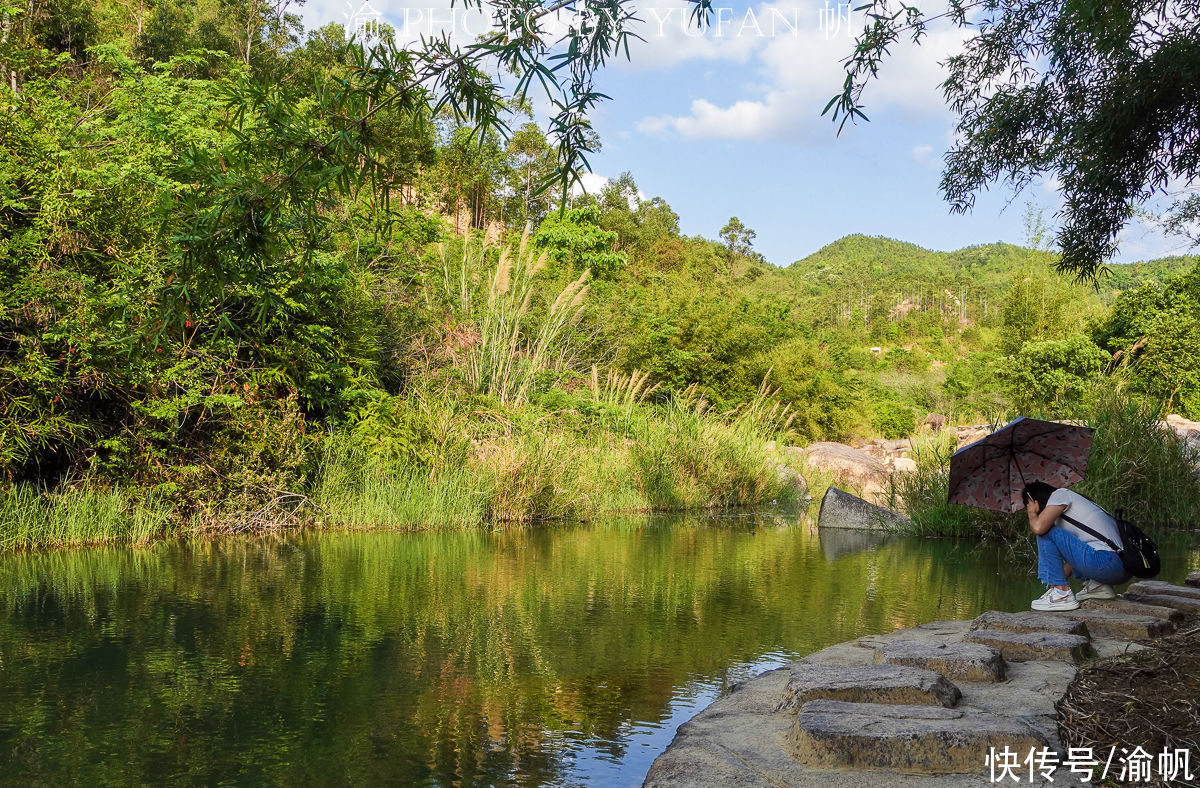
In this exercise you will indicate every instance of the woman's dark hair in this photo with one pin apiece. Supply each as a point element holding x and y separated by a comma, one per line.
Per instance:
<point>1037,491</point>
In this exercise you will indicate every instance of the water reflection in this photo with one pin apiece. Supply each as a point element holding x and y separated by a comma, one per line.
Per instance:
<point>562,656</point>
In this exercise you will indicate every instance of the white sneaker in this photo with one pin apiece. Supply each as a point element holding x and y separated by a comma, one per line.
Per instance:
<point>1093,590</point>
<point>1055,599</point>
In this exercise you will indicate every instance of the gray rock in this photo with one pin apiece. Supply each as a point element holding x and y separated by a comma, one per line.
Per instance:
<point>1119,626</point>
<point>1180,603</point>
<point>1014,646</point>
<point>792,479</point>
<point>1193,580</point>
<point>1028,621</point>
<point>1159,587</point>
<point>848,466</point>
<point>957,661</point>
<point>1133,608</point>
<point>909,739</point>
<point>934,421</point>
<point>884,684</point>
<point>840,509</point>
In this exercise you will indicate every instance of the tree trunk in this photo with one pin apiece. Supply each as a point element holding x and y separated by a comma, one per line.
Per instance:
<point>5,31</point>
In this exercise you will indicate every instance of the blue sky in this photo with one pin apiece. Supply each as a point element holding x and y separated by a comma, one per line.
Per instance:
<point>728,123</point>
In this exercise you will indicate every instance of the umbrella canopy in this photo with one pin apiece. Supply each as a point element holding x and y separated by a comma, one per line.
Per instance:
<point>991,472</point>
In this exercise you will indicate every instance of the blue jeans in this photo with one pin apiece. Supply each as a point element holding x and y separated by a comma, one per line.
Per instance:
<point>1057,547</point>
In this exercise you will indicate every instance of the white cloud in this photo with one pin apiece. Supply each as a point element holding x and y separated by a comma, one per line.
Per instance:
<point>590,182</point>
<point>923,154</point>
<point>801,69</point>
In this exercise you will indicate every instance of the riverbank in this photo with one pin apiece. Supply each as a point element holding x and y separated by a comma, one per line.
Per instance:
<point>921,706</point>
<point>480,470</point>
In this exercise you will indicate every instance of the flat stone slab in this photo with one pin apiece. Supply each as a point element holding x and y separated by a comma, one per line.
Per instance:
<point>1193,580</point>
<point>1133,608</point>
<point>909,739</point>
<point>1180,603</point>
<point>1159,587</point>
<point>881,684</point>
<point>1120,626</point>
<point>1029,621</point>
<point>1015,646</point>
<point>955,661</point>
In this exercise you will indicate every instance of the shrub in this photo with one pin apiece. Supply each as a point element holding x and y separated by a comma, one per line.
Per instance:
<point>893,420</point>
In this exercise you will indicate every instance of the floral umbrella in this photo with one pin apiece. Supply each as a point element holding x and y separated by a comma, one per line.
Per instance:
<point>991,472</point>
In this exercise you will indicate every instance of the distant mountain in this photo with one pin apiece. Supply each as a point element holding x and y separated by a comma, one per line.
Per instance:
<point>881,265</point>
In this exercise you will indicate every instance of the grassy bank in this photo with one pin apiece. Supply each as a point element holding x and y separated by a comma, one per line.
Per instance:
<point>1136,465</point>
<point>515,465</point>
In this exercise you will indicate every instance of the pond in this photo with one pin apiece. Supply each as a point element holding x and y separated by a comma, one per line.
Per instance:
<point>550,656</point>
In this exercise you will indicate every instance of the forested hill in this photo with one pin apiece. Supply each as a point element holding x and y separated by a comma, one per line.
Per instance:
<point>887,264</point>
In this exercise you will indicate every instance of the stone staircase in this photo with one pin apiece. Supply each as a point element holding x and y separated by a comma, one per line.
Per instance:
<point>918,707</point>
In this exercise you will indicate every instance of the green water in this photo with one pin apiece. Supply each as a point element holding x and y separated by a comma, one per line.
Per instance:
<point>559,656</point>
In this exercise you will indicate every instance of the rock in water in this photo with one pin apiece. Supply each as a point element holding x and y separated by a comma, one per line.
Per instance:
<point>840,509</point>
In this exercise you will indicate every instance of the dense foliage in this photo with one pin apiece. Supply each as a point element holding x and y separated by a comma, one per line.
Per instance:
<point>222,286</point>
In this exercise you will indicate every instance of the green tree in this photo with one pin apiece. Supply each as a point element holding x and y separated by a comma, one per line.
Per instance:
<point>1102,96</point>
<point>1036,307</point>
<point>738,237</point>
<point>1054,377</point>
<point>575,240</point>
<point>531,162</point>
<point>1153,332</point>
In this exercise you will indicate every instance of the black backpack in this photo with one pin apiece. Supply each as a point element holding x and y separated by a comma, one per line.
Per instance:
<point>1138,552</point>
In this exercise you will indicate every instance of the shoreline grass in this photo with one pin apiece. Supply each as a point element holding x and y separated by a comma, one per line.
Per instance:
<point>1136,465</point>
<point>662,459</point>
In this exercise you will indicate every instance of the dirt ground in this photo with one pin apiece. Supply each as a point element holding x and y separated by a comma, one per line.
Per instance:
<point>1149,699</point>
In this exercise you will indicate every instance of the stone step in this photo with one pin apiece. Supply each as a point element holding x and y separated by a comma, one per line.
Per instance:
<point>1019,646</point>
<point>1133,608</point>
<point>1193,580</point>
<point>955,661</point>
<point>883,684</point>
<point>1119,626</point>
<point>1180,603</point>
<point>1159,587</point>
<point>1029,621</point>
<point>914,739</point>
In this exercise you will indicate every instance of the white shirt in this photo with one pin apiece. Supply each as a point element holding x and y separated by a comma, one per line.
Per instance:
<point>1088,513</point>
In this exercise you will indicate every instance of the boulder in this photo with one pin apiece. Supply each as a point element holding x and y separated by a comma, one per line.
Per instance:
<point>1193,580</point>
<point>840,509</point>
<point>791,479</point>
<point>889,684</point>
<point>849,467</point>
<point>831,734</point>
<point>1017,646</point>
<point>934,421</point>
<point>956,661</point>
<point>964,436</point>
<point>1029,621</point>
<point>904,465</point>
<point>1185,428</point>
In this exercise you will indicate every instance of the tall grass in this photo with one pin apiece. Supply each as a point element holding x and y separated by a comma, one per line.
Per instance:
<point>1139,465</point>
<point>355,489</point>
<point>922,495</point>
<point>1136,464</point>
<point>32,517</point>
<point>515,339</point>
<point>671,457</point>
